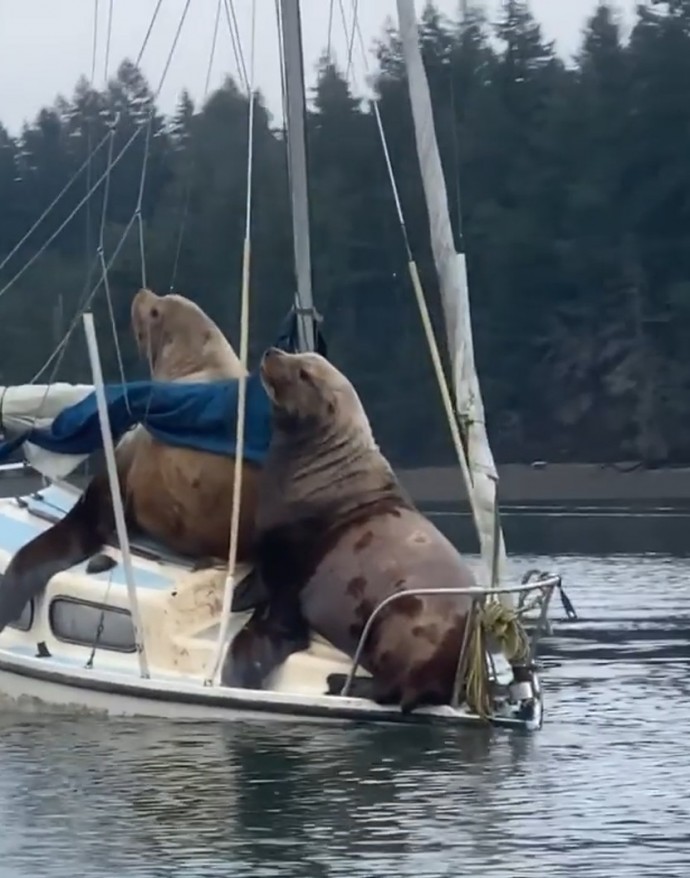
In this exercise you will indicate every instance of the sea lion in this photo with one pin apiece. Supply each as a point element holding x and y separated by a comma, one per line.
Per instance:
<point>179,496</point>
<point>337,534</point>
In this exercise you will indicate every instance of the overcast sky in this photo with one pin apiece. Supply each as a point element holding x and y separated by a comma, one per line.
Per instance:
<point>45,45</point>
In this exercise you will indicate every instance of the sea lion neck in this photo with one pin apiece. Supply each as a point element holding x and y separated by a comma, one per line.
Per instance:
<point>333,468</point>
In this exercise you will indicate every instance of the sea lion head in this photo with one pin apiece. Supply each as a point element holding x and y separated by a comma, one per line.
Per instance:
<point>311,397</point>
<point>179,340</point>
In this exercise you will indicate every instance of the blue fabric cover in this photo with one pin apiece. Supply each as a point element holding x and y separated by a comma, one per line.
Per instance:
<point>199,416</point>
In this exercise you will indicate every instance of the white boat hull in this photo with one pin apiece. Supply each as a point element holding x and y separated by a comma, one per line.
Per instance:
<point>31,684</point>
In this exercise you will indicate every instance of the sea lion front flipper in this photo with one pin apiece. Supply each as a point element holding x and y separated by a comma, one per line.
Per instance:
<point>250,593</point>
<point>208,563</point>
<point>270,636</point>
<point>73,539</point>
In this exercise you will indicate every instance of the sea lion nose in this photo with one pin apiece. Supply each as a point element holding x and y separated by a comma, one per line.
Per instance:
<point>271,352</point>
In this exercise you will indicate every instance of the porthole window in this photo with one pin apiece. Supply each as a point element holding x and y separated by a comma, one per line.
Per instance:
<point>76,621</point>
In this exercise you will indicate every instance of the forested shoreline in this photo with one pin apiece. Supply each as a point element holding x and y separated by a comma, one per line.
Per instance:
<point>569,189</point>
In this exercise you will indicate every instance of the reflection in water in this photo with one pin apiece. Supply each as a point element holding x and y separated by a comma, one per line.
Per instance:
<point>601,791</point>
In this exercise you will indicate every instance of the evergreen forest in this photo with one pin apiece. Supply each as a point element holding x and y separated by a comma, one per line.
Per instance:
<point>569,189</point>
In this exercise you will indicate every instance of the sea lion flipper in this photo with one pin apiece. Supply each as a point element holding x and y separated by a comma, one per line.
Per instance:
<point>250,593</point>
<point>70,541</point>
<point>270,636</point>
<point>208,562</point>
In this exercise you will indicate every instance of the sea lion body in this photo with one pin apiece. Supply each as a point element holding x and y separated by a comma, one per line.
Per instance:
<point>180,496</point>
<point>183,498</point>
<point>336,535</point>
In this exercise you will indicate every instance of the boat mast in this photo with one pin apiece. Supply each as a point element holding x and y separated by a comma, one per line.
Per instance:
<point>452,275</point>
<point>295,124</point>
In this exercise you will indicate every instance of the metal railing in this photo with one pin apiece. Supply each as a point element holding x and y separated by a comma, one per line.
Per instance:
<point>20,467</point>
<point>479,596</point>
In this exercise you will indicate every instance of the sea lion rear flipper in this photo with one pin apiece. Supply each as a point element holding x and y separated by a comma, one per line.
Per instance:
<point>70,541</point>
<point>270,636</point>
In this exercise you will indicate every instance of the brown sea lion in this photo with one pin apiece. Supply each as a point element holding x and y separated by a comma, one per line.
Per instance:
<point>336,535</point>
<point>179,496</point>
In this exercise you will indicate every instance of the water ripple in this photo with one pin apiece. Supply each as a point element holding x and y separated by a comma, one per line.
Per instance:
<point>601,791</point>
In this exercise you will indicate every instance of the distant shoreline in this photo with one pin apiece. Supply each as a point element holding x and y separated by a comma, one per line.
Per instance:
<point>564,483</point>
<point>555,483</point>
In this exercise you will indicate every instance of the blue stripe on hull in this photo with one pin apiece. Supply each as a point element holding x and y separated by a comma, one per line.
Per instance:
<point>15,533</point>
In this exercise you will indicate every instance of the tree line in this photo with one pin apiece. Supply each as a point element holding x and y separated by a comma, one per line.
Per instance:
<point>569,190</point>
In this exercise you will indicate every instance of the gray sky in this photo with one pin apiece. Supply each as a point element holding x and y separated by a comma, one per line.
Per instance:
<point>45,45</point>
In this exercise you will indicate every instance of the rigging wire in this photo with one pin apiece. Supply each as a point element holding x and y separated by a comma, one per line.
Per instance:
<point>94,44</point>
<point>52,204</point>
<point>73,180</point>
<point>104,270</point>
<point>351,42</point>
<point>76,175</point>
<point>242,383</point>
<point>382,133</point>
<point>100,251</point>
<point>86,300</point>
<point>147,146</point>
<point>89,146</point>
<point>105,266</point>
<point>330,29</point>
<point>106,63</point>
<point>148,33</point>
<point>349,37</point>
<point>451,411</point>
<point>73,213</point>
<point>231,19</point>
<point>192,161</point>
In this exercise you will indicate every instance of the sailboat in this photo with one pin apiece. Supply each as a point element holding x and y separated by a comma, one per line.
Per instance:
<point>143,635</point>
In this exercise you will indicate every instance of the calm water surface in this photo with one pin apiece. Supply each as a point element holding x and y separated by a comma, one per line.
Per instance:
<point>602,790</point>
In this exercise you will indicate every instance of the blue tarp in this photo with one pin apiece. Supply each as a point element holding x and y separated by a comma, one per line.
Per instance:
<point>198,416</point>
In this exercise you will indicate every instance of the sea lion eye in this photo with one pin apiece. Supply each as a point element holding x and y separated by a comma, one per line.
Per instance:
<point>304,375</point>
<point>154,312</point>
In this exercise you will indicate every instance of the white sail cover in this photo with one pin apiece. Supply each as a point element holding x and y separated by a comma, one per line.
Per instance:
<point>452,274</point>
<point>25,406</point>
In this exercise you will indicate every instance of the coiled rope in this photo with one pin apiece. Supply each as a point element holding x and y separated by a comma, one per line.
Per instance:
<point>490,620</point>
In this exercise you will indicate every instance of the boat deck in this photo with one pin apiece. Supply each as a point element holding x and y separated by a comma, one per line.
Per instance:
<point>65,662</point>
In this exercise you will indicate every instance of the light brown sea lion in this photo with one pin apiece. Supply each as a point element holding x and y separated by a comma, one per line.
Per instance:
<point>336,535</point>
<point>179,496</point>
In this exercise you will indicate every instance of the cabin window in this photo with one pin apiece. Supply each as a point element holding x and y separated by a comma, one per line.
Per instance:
<point>76,621</point>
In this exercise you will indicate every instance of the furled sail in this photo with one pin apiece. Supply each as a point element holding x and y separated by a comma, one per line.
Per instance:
<point>24,407</point>
<point>452,275</point>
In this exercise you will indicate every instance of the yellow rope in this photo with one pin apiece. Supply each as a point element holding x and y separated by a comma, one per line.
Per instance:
<point>503,624</point>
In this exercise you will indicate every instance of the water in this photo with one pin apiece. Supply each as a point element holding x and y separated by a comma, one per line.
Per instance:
<point>601,791</point>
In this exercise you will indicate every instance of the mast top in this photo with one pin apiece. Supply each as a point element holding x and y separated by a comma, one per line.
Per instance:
<point>295,123</point>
